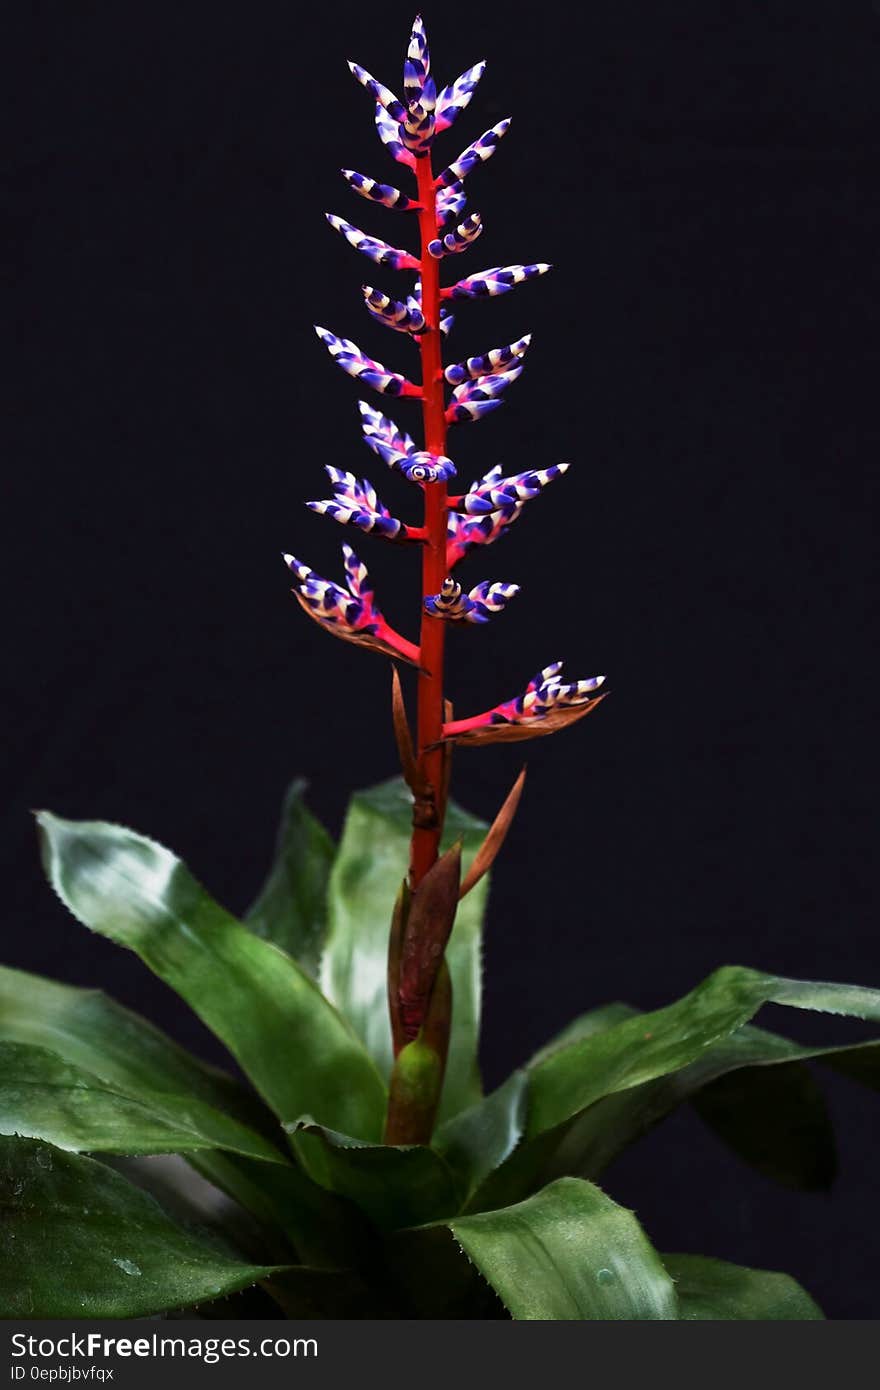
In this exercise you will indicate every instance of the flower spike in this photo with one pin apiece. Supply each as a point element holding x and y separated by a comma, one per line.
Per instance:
<point>354,503</point>
<point>495,360</point>
<point>351,613</point>
<point>384,193</point>
<point>498,280</point>
<point>378,251</point>
<point>475,154</point>
<point>405,318</point>
<point>459,239</point>
<point>454,98</point>
<point>349,357</point>
<point>546,705</point>
<point>474,399</point>
<point>476,607</point>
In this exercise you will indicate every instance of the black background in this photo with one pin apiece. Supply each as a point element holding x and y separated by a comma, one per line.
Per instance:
<point>704,178</point>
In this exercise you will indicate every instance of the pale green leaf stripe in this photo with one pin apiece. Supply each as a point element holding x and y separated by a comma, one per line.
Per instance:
<point>44,1097</point>
<point>653,1044</point>
<point>78,1241</point>
<point>567,1253</point>
<point>300,1055</point>
<point>713,1290</point>
<point>90,1030</point>
<point>371,863</point>
<point>291,909</point>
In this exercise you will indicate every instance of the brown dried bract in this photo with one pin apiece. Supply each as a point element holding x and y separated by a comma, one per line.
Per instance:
<point>497,834</point>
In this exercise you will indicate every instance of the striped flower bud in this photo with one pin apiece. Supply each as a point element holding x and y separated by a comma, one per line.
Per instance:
<point>350,613</point>
<point>389,134</point>
<point>398,451</point>
<point>474,399</point>
<point>417,68</point>
<point>405,318</point>
<point>450,202</point>
<point>383,95</point>
<point>546,705</point>
<point>354,503</point>
<point>384,193</point>
<point>478,606</point>
<point>495,493</point>
<point>495,360</point>
<point>455,98</point>
<point>378,251</point>
<point>475,154</point>
<point>349,357</point>
<point>498,280</point>
<point>464,531</point>
<point>459,239</point>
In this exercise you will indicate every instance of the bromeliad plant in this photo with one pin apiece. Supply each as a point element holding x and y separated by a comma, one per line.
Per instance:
<point>359,1171</point>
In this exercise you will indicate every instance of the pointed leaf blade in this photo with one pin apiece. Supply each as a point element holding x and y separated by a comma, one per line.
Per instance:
<point>300,1055</point>
<point>568,1253</point>
<point>291,909</point>
<point>44,1097</point>
<point>713,1290</point>
<point>90,1245</point>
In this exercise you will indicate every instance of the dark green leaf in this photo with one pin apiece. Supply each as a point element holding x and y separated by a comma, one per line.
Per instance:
<point>291,910</point>
<point>372,861</point>
<point>78,1241</point>
<point>323,1229</point>
<point>395,1185</point>
<point>331,1293</point>
<point>712,1290</point>
<point>655,1044</point>
<point>476,1141</point>
<point>301,1056</point>
<point>776,1119</point>
<point>567,1253</point>
<point>44,1097</point>
<point>90,1030</point>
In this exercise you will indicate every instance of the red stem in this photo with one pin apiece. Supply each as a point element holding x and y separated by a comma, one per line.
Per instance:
<point>426,838</point>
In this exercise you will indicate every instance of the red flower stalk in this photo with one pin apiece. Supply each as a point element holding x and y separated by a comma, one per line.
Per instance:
<point>419,989</point>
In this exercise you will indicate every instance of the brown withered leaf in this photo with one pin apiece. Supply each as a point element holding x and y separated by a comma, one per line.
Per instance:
<point>535,728</point>
<point>495,837</point>
<point>412,774</point>
<point>395,947</point>
<point>360,639</point>
<point>428,927</point>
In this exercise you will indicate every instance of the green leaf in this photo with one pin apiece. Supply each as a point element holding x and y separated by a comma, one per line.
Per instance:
<point>323,1230</point>
<point>655,1044</point>
<point>90,1030</point>
<point>714,1290</point>
<point>566,1253</point>
<point>291,910</point>
<point>44,1097</point>
<point>776,1119</point>
<point>477,1141</point>
<point>301,1056</point>
<point>395,1185</point>
<point>372,861</point>
<point>78,1241</point>
<point>781,1127</point>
